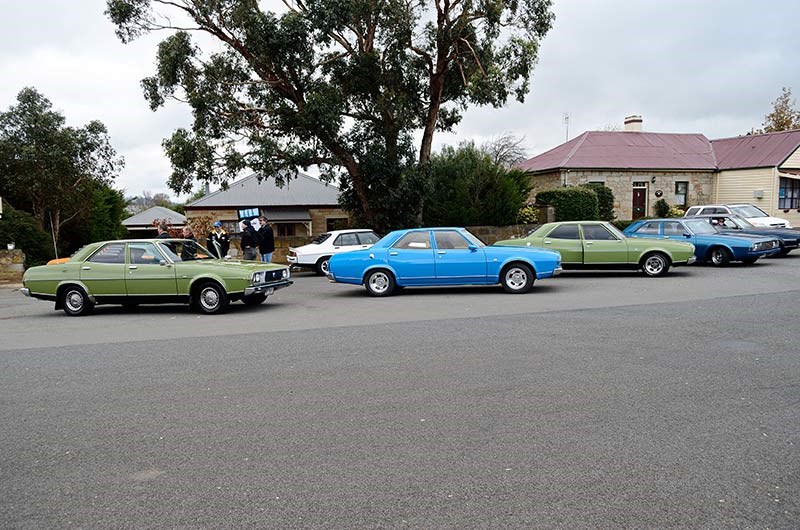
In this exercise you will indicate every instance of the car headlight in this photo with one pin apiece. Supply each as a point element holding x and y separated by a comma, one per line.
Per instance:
<point>258,277</point>
<point>286,273</point>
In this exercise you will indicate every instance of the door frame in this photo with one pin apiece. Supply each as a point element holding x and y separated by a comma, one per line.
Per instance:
<point>639,185</point>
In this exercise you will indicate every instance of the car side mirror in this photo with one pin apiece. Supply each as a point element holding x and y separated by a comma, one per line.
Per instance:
<point>472,248</point>
<point>163,263</point>
<point>687,235</point>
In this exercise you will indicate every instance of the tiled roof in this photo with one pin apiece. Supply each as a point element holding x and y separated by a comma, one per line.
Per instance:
<point>147,217</point>
<point>756,150</point>
<point>627,150</point>
<point>304,190</point>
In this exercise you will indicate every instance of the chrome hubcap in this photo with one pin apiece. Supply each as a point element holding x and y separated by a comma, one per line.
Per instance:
<point>74,301</point>
<point>716,257</point>
<point>325,266</point>
<point>516,278</point>
<point>209,298</point>
<point>379,282</point>
<point>654,265</point>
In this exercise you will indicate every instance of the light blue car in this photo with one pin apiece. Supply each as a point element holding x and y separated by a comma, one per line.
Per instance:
<point>711,246</point>
<point>439,257</point>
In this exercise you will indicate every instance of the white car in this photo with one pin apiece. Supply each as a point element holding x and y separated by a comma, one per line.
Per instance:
<point>752,213</point>
<point>316,254</point>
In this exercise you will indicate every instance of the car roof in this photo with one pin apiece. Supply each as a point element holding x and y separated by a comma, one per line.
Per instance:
<point>349,230</point>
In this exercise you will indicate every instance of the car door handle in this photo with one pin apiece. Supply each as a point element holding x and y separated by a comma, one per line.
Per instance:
<point>588,242</point>
<point>547,241</point>
<point>132,267</point>
<point>442,252</point>
<point>86,268</point>
<point>393,253</point>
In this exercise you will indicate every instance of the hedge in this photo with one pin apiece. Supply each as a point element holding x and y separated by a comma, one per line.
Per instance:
<point>605,200</point>
<point>571,203</point>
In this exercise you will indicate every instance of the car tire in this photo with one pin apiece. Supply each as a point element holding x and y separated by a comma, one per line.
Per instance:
<point>719,256</point>
<point>784,251</point>
<point>210,298</point>
<point>517,278</point>
<point>655,264</point>
<point>254,299</point>
<point>749,261</point>
<point>380,282</point>
<point>75,301</point>
<point>323,265</point>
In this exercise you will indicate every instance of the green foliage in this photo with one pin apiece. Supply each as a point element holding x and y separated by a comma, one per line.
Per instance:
<point>675,211</point>
<point>571,203</point>
<point>622,225</point>
<point>469,188</point>
<point>343,85</point>
<point>784,115</point>
<point>661,208</point>
<point>528,215</point>
<point>49,169</point>
<point>20,228</point>
<point>605,200</point>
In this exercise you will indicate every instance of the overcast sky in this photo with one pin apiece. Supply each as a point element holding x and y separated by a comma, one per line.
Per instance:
<point>711,67</point>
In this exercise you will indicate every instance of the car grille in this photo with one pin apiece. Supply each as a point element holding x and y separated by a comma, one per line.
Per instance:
<point>767,245</point>
<point>272,276</point>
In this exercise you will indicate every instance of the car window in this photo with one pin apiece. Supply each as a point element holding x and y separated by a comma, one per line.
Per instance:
<point>693,211</point>
<point>673,228</point>
<point>701,226</point>
<point>565,232</point>
<point>110,253</point>
<point>597,233</point>
<point>748,210</point>
<point>450,239</point>
<point>368,238</point>
<point>320,238</point>
<point>650,227</point>
<point>723,222</point>
<point>144,254</point>
<point>414,240</point>
<point>346,240</point>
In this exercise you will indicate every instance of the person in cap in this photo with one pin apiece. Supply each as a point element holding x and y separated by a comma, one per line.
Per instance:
<point>249,241</point>
<point>218,241</point>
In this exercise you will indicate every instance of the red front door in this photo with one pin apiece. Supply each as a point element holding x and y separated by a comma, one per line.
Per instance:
<point>639,203</point>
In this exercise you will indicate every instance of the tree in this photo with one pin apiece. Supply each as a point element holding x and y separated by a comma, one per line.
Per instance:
<point>343,85</point>
<point>147,200</point>
<point>469,188</point>
<point>506,150</point>
<point>48,168</point>
<point>21,228</point>
<point>784,115</point>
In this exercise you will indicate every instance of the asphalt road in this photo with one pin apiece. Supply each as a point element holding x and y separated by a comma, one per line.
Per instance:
<point>596,401</point>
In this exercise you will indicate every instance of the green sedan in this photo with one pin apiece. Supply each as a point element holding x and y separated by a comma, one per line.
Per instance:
<point>599,245</point>
<point>152,271</point>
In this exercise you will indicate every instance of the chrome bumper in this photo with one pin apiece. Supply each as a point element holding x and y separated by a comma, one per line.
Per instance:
<point>25,291</point>
<point>557,271</point>
<point>691,260</point>
<point>267,288</point>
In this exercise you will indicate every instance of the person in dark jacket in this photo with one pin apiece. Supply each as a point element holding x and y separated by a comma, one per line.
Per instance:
<point>163,231</point>
<point>266,240</point>
<point>189,250</point>
<point>249,241</point>
<point>218,241</point>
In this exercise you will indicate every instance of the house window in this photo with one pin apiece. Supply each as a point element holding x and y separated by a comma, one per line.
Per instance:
<point>681,188</point>
<point>789,193</point>
<point>336,223</point>
<point>284,229</point>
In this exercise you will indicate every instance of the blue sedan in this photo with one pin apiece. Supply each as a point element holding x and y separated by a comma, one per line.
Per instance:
<point>711,246</point>
<point>441,256</point>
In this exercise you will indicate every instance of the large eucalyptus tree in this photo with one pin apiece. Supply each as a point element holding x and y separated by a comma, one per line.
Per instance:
<point>358,87</point>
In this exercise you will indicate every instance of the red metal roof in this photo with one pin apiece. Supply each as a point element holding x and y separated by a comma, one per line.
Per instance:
<point>644,150</point>
<point>756,150</point>
<point>627,150</point>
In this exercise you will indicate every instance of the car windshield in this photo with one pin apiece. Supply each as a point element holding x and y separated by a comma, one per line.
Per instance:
<point>701,226</point>
<point>614,230</point>
<point>475,240</point>
<point>185,250</point>
<point>741,222</point>
<point>748,210</point>
<point>320,239</point>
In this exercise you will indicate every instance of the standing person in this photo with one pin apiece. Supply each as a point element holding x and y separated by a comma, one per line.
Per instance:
<point>249,241</point>
<point>266,244</point>
<point>163,230</point>
<point>189,250</point>
<point>218,241</point>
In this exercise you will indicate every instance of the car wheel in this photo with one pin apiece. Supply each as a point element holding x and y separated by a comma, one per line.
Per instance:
<point>75,301</point>
<point>784,251</point>
<point>749,261</point>
<point>655,264</point>
<point>379,283</point>
<point>211,298</point>
<point>517,278</point>
<point>323,265</point>
<point>254,299</point>
<point>719,256</point>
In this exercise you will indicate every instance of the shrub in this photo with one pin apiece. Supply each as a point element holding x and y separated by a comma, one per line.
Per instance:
<point>605,200</point>
<point>674,211</point>
<point>20,228</point>
<point>571,203</point>
<point>622,225</point>
<point>661,208</point>
<point>528,215</point>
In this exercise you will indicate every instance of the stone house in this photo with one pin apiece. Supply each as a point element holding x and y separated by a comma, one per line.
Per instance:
<point>684,169</point>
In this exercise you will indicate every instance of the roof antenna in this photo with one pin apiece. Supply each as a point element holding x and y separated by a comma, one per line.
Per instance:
<point>566,126</point>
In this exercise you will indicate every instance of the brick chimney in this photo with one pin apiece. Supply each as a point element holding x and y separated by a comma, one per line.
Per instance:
<point>633,123</point>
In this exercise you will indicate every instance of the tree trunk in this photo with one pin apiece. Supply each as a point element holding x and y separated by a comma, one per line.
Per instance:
<point>437,85</point>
